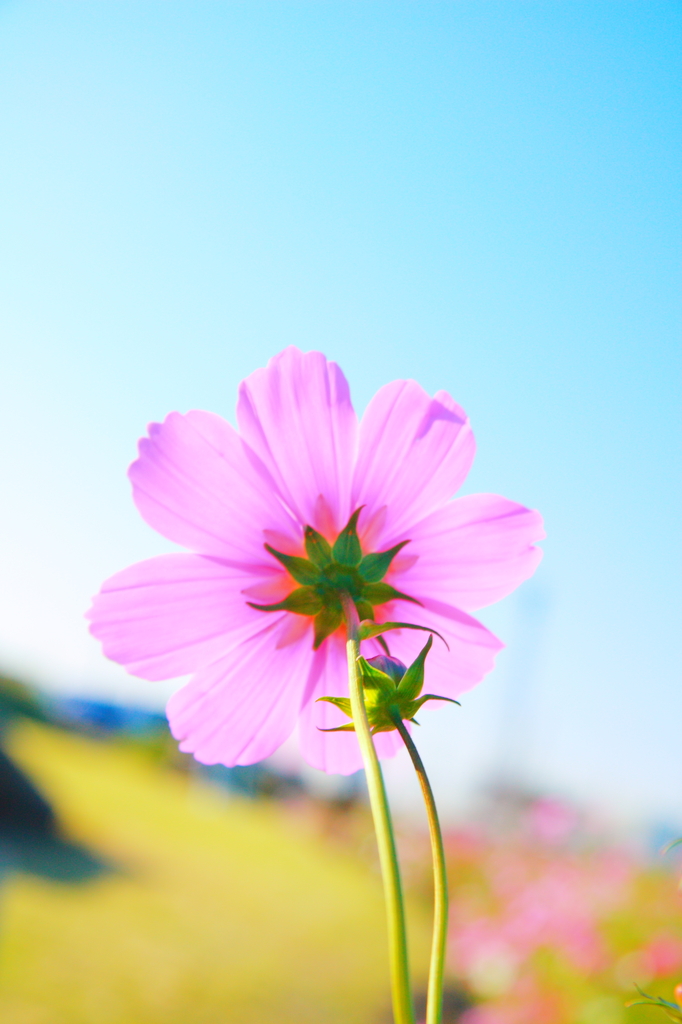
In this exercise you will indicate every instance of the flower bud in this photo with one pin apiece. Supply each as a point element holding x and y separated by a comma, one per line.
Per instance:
<point>392,667</point>
<point>391,689</point>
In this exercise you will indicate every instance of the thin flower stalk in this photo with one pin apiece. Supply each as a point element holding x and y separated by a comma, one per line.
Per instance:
<point>403,1009</point>
<point>434,1005</point>
<point>389,694</point>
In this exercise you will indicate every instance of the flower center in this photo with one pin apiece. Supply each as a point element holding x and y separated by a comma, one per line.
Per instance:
<point>330,570</point>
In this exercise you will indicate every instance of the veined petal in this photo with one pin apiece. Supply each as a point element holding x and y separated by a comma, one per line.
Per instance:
<point>242,707</point>
<point>473,551</point>
<point>297,417</point>
<point>195,484</point>
<point>414,453</point>
<point>335,752</point>
<point>448,673</point>
<point>168,616</point>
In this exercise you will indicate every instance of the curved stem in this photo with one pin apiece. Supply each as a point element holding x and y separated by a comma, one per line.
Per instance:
<point>434,1006</point>
<point>403,1010</point>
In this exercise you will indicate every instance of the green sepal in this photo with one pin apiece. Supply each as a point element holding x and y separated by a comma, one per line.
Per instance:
<point>301,569</point>
<point>430,696</point>
<point>410,686</point>
<point>376,679</point>
<point>383,720</point>
<point>340,702</point>
<point>364,609</point>
<point>369,630</point>
<point>347,550</point>
<point>302,601</point>
<point>318,548</point>
<point>338,728</point>
<point>374,567</point>
<point>380,593</point>
<point>383,717</point>
<point>327,621</point>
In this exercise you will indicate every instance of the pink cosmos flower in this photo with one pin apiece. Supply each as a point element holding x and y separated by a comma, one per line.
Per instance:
<point>286,484</point>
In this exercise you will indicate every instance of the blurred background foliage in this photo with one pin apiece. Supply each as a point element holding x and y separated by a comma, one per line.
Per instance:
<point>212,906</point>
<point>140,887</point>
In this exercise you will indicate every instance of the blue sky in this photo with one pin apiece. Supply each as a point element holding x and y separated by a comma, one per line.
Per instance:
<point>482,196</point>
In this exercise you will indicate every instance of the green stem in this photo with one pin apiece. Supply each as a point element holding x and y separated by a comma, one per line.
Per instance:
<point>434,1006</point>
<point>403,1010</point>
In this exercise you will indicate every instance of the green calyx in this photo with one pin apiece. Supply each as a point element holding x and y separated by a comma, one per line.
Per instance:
<point>328,571</point>
<point>391,692</point>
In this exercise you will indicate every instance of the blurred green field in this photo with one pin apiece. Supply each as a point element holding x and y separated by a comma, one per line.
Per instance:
<point>223,909</point>
<point>220,909</point>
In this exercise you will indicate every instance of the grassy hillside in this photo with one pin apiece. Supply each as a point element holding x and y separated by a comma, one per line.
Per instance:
<point>220,910</point>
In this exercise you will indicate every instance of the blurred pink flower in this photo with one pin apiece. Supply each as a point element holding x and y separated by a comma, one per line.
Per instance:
<point>663,955</point>
<point>555,904</point>
<point>300,459</point>
<point>551,821</point>
<point>484,1015</point>
<point>536,901</point>
<point>530,1007</point>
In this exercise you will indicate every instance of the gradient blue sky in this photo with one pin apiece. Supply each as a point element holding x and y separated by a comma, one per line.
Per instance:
<point>483,196</point>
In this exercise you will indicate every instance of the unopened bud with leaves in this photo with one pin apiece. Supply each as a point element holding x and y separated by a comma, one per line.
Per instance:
<point>392,691</point>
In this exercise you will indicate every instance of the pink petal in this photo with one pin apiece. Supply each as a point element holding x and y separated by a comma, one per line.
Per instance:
<point>414,453</point>
<point>195,484</point>
<point>297,416</point>
<point>170,615</point>
<point>244,706</point>
<point>448,672</point>
<point>337,753</point>
<point>473,551</point>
